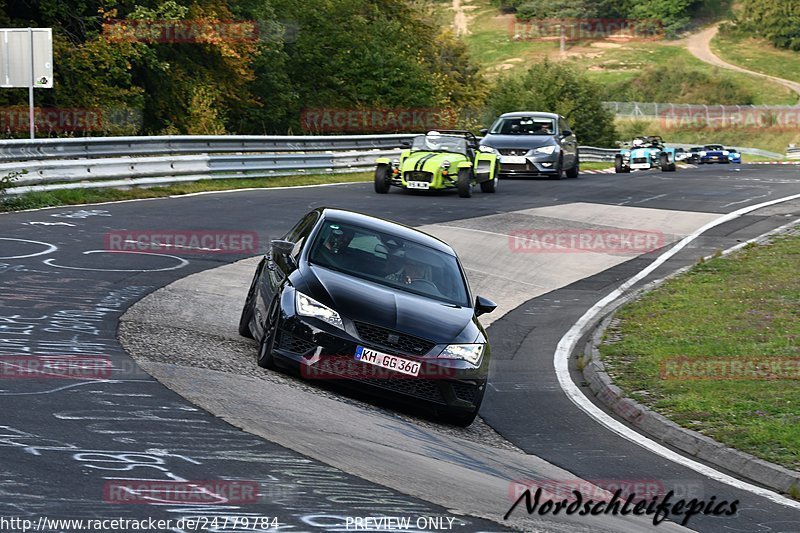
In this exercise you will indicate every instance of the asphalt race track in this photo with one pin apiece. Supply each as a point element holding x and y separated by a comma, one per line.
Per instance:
<point>62,294</point>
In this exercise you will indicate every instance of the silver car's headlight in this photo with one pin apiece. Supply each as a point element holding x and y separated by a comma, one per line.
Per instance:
<point>545,149</point>
<point>471,353</point>
<point>307,306</point>
<point>487,149</point>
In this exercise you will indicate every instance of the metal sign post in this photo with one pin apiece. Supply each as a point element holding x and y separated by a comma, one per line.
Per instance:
<point>26,60</point>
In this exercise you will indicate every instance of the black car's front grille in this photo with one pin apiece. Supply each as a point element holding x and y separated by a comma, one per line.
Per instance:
<point>639,160</point>
<point>419,388</point>
<point>290,343</point>
<point>466,391</point>
<point>512,151</point>
<point>393,339</point>
<point>415,175</point>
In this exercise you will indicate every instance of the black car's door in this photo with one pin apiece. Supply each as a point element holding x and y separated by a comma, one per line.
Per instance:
<point>568,142</point>
<point>277,267</point>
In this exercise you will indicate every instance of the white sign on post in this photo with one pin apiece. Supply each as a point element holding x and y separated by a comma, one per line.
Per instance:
<point>26,60</point>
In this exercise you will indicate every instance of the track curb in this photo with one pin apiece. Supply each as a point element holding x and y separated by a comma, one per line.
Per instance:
<point>769,475</point>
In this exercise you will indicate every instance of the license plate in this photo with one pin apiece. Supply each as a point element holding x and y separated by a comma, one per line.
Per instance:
<point>384,360</point>
<point>640,165</point>
<point>417,184</point>
<point>514,159</point>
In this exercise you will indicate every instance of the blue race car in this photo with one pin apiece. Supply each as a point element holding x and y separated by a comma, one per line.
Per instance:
<point>716,153</point>
<point>645,153</point>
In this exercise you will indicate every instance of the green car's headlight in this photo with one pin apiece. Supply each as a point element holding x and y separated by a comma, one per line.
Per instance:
<point>471,353</point>
<point>307,306</point>
<point>545,149</point>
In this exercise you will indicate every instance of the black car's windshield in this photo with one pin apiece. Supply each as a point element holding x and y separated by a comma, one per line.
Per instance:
<point>524,126</point>
<point>714,147</point>
<point>391,261</point>
<point>439,143</point>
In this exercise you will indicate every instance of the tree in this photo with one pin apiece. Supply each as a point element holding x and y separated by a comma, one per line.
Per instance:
<point>556,88</point>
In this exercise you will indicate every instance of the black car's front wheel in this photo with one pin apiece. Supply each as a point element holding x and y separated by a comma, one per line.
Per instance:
<point>465,182</point>
<point>559,169</point>
<point>265,347</point>
<point>382,177</point>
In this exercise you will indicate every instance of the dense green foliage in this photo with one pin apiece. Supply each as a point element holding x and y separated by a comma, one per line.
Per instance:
<point>776,20</point>
<point>671,16</point>
<point>679,84</point>
<point>348,54</point>
<point>557,88</point>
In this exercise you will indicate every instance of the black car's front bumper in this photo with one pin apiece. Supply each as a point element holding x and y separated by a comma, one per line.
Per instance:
<point>321,351</point>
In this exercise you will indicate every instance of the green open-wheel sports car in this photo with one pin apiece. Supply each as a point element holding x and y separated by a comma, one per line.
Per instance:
<point>440,160</point>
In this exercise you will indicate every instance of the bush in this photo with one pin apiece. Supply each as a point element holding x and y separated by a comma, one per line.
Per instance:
<point>556,88</point>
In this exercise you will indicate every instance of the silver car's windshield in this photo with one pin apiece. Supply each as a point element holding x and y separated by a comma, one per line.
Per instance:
<point>532,125</point>
<point>439,143</point>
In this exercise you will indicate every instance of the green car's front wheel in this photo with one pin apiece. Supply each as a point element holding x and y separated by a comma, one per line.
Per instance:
<point>465,182</point>
<point>382,177</point>
<point>491,185</point>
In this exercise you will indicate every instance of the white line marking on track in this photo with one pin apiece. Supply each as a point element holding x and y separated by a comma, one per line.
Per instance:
<point>570,339</point>
<point>50,248</point>
<point>181,262</point>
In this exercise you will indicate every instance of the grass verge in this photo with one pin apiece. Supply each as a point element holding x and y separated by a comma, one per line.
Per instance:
<point>35,200</point>
<point>725,311</point>
<point>757,55</point>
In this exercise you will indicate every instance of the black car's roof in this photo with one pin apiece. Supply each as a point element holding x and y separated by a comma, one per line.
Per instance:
<point>382,225</point>
<point>519,114</point>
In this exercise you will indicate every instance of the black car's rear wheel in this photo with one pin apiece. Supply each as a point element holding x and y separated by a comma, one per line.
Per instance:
<point>247,310</point>
<point>382,177</point>
<point>465,182</point>
<point>265,357</point>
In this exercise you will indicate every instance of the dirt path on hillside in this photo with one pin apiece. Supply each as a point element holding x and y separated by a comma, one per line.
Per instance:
<point>460,19</point>
<point>699,45</point>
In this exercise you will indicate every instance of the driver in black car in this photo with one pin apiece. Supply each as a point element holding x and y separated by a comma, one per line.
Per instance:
<point>411,270</point>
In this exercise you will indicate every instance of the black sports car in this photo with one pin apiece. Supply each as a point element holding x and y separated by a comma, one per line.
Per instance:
<point>375,304</point>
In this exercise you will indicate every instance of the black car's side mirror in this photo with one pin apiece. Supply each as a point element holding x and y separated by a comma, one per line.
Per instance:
<point>484,306</point>
<point>566,133</point>
<point>282,247</point>
<point>483,131</point>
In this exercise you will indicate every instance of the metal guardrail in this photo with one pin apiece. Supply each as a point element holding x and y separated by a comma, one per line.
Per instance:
<point>97,162</point>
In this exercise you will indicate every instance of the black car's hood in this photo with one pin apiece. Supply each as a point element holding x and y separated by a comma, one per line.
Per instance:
<point>364,301</point>
<point>517,141</point>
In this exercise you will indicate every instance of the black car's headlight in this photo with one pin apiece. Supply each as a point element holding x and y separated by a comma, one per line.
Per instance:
<point>545,149</point>
<point>487,149</point>
<point>307,306</point>
<point>471,353</point>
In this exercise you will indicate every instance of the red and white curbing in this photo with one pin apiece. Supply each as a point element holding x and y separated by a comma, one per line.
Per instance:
<point>775,163</point>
